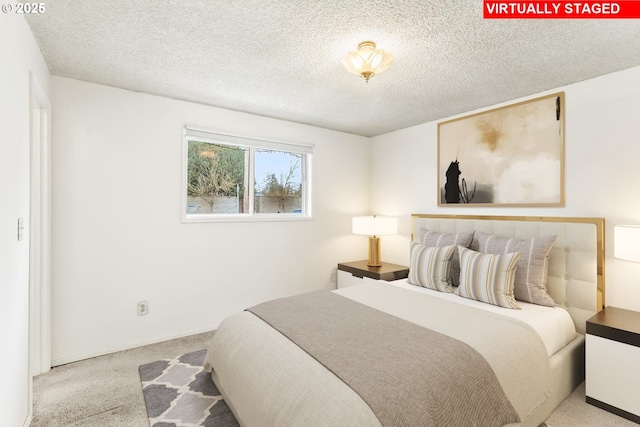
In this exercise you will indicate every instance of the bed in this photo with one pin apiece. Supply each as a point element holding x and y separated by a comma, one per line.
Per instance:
<point>351,364</point>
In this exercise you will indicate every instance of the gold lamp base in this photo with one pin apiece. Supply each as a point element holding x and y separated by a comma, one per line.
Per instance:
<point>374,252</point>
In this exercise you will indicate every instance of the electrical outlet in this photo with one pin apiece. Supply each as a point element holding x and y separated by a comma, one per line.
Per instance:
<point>143,308</point>
<point>334,277</point>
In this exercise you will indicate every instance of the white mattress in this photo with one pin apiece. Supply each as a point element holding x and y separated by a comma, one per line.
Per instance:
<point>553,324</point>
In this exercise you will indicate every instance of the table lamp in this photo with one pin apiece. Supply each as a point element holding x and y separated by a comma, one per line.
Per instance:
<point>374,226</point>
<point>626,242</point>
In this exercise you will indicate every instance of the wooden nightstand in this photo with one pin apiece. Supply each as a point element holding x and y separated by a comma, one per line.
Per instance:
<point>612,359</point>
<point>358,272</point>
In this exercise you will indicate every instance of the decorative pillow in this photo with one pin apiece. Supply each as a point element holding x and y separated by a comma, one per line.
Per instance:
<point>431,238</point>
<point>531,276</point>
<point>488,278</point>
<point>430,267</point>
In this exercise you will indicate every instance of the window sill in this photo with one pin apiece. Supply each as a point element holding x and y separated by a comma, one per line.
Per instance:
<point>204,218</point>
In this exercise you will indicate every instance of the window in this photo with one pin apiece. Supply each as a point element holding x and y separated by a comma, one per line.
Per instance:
<point>219,168</point>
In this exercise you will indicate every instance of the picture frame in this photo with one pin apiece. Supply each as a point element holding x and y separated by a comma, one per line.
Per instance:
<point>507,156</point>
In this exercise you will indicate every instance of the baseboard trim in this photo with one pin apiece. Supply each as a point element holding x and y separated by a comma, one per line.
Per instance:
<point>27,422</point>
<point>76,358</point>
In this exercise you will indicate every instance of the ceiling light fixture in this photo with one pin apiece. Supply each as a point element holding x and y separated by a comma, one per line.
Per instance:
<point>367,61</point>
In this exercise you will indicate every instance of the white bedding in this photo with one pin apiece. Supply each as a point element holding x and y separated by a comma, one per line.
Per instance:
<point>553,324</point>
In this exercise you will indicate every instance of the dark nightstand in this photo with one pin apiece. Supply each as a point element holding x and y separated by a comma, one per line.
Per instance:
<point>612,356</point>
<point>357,272</point>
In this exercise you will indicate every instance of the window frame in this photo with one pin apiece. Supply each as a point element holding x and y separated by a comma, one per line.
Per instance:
<point>251,144</point>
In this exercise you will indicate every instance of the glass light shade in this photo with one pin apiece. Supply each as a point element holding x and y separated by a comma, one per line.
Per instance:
<point>374,225</point>
<point>626,242</point>
<point>367,61</point>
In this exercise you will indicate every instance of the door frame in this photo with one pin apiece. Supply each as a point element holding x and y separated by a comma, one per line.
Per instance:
<point>39,233</point>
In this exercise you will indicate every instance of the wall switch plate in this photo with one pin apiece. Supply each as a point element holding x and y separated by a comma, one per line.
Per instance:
<point>20,229</point>
<point>334,277</point>
<point>143,308</point>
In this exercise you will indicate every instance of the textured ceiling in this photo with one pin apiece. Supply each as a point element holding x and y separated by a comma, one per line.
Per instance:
<point>282,58</point>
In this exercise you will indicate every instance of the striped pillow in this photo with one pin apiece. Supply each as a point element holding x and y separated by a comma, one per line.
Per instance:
<point>432,238</point>
<point>487,277</point>
<point>531,276</point>
<point>430,267</point>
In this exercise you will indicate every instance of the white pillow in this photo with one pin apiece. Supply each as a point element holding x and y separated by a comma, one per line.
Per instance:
<point>430,267</point>
<point>487,277</point>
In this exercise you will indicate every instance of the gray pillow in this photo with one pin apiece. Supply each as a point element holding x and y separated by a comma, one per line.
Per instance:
<point>533,266</point>
<point>434,239</point>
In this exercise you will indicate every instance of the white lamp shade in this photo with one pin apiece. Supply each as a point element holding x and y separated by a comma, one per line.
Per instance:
<point>626,242</point>
<point>374,225</point>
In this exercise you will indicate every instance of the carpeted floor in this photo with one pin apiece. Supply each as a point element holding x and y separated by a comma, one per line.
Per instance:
<point>103,391</point>
<point>106,392</point>
<point>575,412</point>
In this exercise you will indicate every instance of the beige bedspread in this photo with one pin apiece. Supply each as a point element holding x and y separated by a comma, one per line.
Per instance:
<point>268,380</point>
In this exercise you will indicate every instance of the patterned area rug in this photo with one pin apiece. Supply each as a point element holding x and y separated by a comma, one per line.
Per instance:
<point>179,393</point>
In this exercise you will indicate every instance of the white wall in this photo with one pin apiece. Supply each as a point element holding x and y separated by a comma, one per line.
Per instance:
<point>117,235</point>
<point>20,55</point>
<point>602,168</point>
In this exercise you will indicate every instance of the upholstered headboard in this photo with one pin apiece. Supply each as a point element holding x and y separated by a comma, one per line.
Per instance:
<point>576,262</point>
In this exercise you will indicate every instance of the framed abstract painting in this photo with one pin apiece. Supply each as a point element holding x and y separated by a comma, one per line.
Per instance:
<point>508,156</point>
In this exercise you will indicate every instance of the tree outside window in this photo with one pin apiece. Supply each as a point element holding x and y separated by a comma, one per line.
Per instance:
<point>216,176</point>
